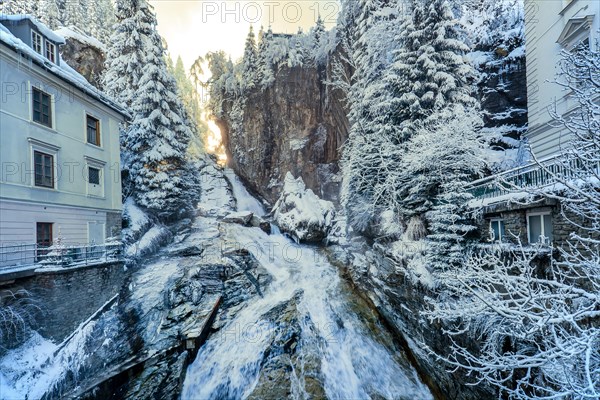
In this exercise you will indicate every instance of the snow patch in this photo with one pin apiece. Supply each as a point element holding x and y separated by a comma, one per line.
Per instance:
<point>72,32</point>
<point>301,213</point>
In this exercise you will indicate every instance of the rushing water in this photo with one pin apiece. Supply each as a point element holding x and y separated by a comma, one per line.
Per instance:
<point>354,360</point>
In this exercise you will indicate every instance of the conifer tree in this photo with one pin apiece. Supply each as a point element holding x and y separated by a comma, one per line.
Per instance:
<point>265,65</point>
<point>157,140</point>
<point>16,7</point>
<point>102,20</point>
<point>319,32</point>
<point>49,13</point>
<point>155,144</point>
<point>126,54</point>
<point>368,146</point>
<point>250,62</point>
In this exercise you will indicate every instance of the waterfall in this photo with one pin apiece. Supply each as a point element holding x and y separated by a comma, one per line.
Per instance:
<point>336,346</point>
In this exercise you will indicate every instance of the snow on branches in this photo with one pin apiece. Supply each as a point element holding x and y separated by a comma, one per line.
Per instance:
<point>535,315</point>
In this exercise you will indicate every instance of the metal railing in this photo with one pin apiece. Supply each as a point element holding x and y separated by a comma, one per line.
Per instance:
<point>25,255</point>
<point>536,175</point>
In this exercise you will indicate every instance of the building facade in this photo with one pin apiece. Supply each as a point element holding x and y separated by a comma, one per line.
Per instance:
<point>551,27</point>
<point>59,152</point>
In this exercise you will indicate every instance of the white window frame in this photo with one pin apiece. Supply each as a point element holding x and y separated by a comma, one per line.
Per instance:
<point>87,114</point>
<point>47,148</point>
<point>94,190</point>
<point>50,50</point>
<point>38,86</point>
<point>541,214</point>
<point>570,38</point>
<point>38,47</point>
<point>501,238</point>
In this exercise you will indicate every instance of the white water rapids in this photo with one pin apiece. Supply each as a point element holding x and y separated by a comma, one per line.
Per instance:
<point>354,362</point>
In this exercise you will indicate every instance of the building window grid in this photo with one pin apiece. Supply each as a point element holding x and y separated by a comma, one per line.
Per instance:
<point>94,175</point>
<point>539,227</point>
<point>93,130</point>
<point>50,51</point>
<point>43,234</point>
<point>42,107</point>
<point>36,42</point>
<point>43,169</point>
<point>497,229</point>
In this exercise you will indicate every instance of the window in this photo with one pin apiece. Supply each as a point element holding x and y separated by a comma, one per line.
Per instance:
<point>576,30</point>
<point>539,227</point>
<point>497,230</point>
<point>43,233</point>
<point>93,176</point>
<point>36,42</point>
<point>41,104</point>
<point>44,169</point>
<point>93,130</point>
<point>51,51</point>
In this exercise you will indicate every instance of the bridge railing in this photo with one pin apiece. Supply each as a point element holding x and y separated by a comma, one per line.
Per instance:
<point>536,175</point>
<point>24,255</point>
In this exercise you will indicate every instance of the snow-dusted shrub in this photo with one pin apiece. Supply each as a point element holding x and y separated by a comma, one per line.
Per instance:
<point>18,310</point>
<point>301,213</point>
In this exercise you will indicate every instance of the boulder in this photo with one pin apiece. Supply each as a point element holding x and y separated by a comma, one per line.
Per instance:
<point>240,217</point>
<point>301,213</point>
<point>258,222</point>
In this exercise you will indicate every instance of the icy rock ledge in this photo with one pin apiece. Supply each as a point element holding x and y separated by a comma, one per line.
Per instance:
<point>301,213</point>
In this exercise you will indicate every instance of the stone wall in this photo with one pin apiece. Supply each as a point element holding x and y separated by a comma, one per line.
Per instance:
<point>113,224</point>
<point>515,221</point>
<point>69,296</point>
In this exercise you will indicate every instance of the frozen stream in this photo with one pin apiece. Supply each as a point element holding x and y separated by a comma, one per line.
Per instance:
<point>354,356</point>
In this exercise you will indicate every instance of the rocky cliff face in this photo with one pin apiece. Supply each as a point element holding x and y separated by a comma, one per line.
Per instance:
<point>400,297</point>
<point>85,58</point>
<point>297,125</point>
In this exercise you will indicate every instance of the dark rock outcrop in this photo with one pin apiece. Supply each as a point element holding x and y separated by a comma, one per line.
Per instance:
<point>384,281</point>
<point>84,55</point>
<point>297,125</point>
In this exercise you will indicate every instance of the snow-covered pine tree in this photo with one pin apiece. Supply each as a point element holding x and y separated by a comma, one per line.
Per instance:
<point>49,13</point>
<point>430,72</point>
<point>428,76</point>
<point>444,156</point>
<point>126,55</point>
<point>157,139</point>
<point>102,20</point>
<point>250,63</point>
<point>319,32</point>
<point>296,55</point>
<point>76,13</point>
<point>187,92</point>
<point>15,7</point>
<point>265,64</point>
<point>368,145</point>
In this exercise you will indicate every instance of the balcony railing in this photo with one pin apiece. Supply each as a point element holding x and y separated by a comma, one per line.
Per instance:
<point>29,255</point>
<point>536,175</point>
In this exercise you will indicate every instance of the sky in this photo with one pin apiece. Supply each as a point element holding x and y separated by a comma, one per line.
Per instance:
<point>194,27</point>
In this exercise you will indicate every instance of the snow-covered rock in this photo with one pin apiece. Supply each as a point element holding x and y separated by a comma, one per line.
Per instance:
<point>258,222</point>
<point>240,217</point>
<point>301,213</point>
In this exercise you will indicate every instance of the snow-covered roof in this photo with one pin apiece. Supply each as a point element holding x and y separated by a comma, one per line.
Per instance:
<point>72,32</point>
<point>43,29</point>
<point>64,71</point>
